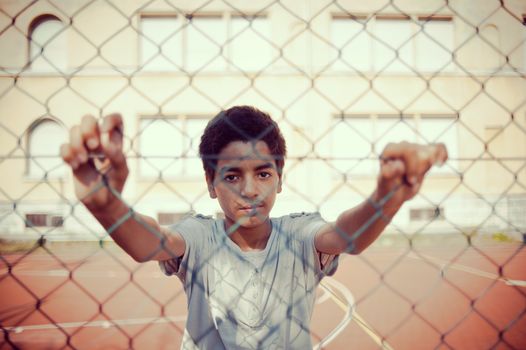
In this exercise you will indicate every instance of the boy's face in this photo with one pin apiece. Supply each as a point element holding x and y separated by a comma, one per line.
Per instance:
<point>245,183</point>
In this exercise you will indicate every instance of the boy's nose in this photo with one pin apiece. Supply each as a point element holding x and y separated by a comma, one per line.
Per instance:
<point>249,189</point>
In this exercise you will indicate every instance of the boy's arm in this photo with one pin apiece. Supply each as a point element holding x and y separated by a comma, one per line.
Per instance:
<point>99,173</point>
<point>402,170</point>
<point>139,235</point>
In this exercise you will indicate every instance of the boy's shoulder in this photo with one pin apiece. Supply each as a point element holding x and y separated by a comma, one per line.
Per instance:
<point>203,217</point>
<point>192,219</point>
<point>304,214</point>
<point>300,217</point>
<point>300,226</point>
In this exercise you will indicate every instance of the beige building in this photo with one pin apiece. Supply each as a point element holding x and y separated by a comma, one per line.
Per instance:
<point>342,79</point>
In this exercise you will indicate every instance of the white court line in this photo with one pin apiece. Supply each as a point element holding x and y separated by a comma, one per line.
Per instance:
<point>347,309</point>
<point>444,265</point>
<point>324,297</point>
<point>101,323</point>
<point>369,330</point>
<point>351,314</point>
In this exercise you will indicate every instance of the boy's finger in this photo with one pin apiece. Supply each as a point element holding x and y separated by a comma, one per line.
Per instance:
<point>111,139</point>
<point>441,153</point>
<point>76,143</point>
<point>112,122</point>
<point>408,153</point>
<point>391,169</point>
<point>111,132</point>
<point>433,154</point>
<point>427,156</point>
<point>90,132</point>
<point>68,157</point>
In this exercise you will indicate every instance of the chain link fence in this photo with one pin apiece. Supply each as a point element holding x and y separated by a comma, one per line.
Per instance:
<point>342,79</point>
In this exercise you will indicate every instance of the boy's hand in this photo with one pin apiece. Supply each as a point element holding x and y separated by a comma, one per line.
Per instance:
<point>95,155</point>
<point>403,167</point>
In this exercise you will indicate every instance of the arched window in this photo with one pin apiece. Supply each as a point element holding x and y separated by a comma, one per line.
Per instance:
<point>44,140</point>
<point>47,44</point>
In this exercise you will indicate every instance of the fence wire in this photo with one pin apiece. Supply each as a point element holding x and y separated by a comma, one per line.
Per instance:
<point>342,79</point>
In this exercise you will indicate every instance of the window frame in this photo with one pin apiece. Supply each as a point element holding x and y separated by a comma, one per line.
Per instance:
<point>452,165</point>
<point>371,22</point>
<point>356,18</point>
<point>422,20</point>
<point>184,176</point>
<point>424,214</point>
<point>408,44</point>
<point>50,220</point>
<point>32,175</point>
<point>142,38</point>
<point>231,52</point>
<point>183,25</point>
<point>50,68</point>
<point>415,119</point>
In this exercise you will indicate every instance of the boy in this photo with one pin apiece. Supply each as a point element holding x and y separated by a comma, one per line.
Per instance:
<point>250,279</point>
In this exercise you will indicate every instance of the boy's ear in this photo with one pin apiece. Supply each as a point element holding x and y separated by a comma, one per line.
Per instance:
<point>279,184</point>
<point>211,188</point>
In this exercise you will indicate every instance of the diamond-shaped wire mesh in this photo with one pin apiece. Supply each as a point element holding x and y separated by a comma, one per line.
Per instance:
<point>342,79</point>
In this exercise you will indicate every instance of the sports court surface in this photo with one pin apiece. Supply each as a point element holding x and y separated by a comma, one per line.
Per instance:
<point>438,293</point>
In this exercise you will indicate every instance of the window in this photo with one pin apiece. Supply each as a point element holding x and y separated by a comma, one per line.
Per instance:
<point>435,44</point>
<point>248,50</point>
<point>351,144</point>
<point>393,46</point>
<point>426,214</point>
<point>43,220</point>
<point>435,128</point>
<point>47,47</point>
<point>393,128</point>
<point>44,141</point>
<point>161,43</point>
<point>356,141</point>
<point>169,146</point>
<point>210,42</point>
<point>206,36</point>
<point>349,35</point>
<point>393,43</point>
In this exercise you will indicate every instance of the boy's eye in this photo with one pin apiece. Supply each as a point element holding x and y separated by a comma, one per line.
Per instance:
<point>264,175</point>
<point>230,178</point>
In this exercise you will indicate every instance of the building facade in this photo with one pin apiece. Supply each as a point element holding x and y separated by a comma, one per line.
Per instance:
<point>342,79</point>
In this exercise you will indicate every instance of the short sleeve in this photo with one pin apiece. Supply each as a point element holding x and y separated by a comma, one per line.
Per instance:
<point>307,226</point>
<point>195,231</point>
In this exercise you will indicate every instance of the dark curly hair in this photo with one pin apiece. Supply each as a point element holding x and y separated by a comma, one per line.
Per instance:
<point>240,123</point>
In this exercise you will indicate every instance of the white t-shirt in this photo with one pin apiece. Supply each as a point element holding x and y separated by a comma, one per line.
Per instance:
<point>250,300</point>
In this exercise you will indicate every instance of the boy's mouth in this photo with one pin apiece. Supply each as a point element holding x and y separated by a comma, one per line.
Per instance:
<point>250,209</point>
